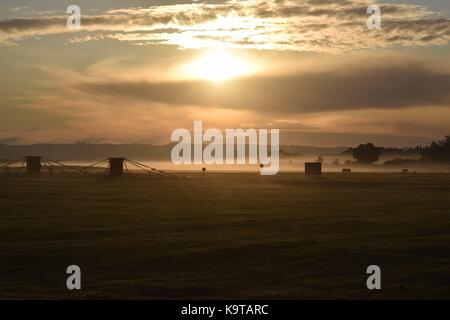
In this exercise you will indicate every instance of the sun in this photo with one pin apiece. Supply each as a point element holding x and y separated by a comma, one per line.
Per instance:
<point>218,65</point>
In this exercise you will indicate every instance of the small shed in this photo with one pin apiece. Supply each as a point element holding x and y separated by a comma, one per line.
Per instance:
<point>313,168</point>
<point>33,165</point>
<point>346,170</point>
<point>116,166</point>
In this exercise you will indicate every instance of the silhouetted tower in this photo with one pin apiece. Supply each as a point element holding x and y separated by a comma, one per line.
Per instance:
<point>33,165</point>
<point>116,166</point>
<point>313,168</point>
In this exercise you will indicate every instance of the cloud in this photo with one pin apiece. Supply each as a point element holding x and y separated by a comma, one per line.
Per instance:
<point>10,140</point>
<point>380,85</point>
<point>305,25</point>
<point>389,95</point>
<point>18,9</point>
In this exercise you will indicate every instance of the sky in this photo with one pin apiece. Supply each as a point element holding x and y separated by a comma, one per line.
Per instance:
<point>137,70</point>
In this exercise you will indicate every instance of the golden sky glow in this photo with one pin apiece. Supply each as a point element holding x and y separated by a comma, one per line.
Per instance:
<point>218,65</point>
<point>139,69</point>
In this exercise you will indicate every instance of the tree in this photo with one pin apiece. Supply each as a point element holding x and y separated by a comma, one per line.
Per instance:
<point>366,153</point>
<point>438,150</point>
<point>336,163</point>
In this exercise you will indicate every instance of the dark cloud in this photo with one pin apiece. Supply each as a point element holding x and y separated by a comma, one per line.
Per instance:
<point>357,87</point>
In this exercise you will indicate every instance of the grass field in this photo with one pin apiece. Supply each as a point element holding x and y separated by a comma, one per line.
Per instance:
<point>229,235</point>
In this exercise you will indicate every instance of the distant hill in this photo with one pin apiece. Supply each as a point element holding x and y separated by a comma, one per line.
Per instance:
<point>312,150</point>
<point>88,152</point>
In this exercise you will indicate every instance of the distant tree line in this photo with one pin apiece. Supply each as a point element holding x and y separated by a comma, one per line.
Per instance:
<point>367,153</point>
<point>438,151</point>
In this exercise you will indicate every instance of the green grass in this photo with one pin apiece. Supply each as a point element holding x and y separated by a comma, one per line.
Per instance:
<point>239,236</point>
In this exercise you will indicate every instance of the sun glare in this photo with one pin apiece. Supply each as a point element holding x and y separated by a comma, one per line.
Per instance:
<point>218,65</point>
